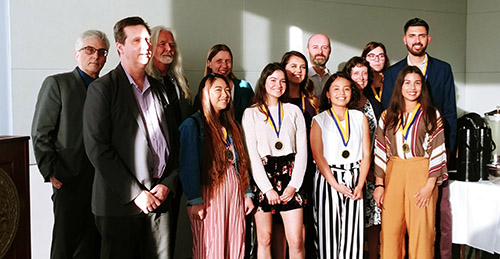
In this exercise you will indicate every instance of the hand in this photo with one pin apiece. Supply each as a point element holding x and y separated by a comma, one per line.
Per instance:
<point>147,202</point>
<point>358,193</point>
<point>346,191</point>
<point>198,212</point>
<point>272,197</point>
<point>423,196</point>
<point>378,196</point>
<point>56,183</point>
<point>288,194</point>
<point>248,206</point>
<point>161,192</point>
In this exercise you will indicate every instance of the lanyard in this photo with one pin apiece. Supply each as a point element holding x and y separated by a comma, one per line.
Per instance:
<point>411,121</point>
<point>344,133</point>
<point>276,128</point>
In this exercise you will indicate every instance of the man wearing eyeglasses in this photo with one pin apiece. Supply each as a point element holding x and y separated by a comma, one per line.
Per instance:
<point>318,49</point>
<point>439,79</point>
<point>58,145</point>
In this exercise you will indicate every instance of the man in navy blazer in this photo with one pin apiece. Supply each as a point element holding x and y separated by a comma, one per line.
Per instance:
<point>131,139</point>
<point>58,146</point>
<point>442,87</point>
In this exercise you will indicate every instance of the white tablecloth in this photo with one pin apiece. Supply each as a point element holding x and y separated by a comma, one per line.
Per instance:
<point>475,209</point>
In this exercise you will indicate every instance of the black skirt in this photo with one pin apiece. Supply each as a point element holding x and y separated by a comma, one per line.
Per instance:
<point>279,172</point>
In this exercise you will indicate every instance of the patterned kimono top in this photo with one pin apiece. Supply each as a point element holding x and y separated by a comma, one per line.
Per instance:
<point>420,143</point>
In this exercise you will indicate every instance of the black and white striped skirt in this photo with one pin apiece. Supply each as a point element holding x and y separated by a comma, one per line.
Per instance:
<point>338,219</point>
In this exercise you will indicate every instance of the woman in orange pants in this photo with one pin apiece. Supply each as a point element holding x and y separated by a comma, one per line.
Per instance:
<point>410,160</point>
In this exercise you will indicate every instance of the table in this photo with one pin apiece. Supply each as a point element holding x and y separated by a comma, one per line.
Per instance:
<point>475,209</point>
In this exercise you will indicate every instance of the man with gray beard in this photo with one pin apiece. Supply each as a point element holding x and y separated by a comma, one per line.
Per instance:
<point>318,49</point>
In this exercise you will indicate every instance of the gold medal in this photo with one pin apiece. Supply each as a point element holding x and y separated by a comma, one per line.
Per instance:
<point>345,154</point>
<point>278,145</point>
<point>406,148</point>
<point>229,154</point>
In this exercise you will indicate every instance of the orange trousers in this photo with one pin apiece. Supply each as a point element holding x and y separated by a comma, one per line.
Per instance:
<point>404,178</point>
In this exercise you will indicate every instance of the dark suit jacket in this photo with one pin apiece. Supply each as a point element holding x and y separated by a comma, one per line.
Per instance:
<point>442,87</point>
<point>186,107</point>
<point>57,129</point>
<point>117,145</point>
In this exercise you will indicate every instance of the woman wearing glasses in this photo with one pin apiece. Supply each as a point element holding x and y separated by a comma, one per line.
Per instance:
<point>376,55</point>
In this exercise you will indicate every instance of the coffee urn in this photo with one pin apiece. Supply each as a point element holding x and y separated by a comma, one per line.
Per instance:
<point>493,120</point>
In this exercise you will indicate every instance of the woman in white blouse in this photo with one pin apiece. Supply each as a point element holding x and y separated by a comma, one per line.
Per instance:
<point>276,139</point>
<point>340,143</point>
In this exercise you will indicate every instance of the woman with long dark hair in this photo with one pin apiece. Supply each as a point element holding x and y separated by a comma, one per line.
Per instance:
<point>276,140</point>
<point>340,142</point>
<point>214,175</point>
<point>300,92</point>
<point>410,160</point>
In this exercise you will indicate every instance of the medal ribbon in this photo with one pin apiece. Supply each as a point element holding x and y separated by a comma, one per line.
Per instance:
<point>303,103</point>
<point>414,115</point>
<point>271,120</point>
<point>378,95</point>
<point>344,133</point>
<point>225,137</point>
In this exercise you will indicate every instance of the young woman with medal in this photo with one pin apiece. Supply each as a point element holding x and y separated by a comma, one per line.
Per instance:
<point>276,140</point>
<point>358,69</point>
<point>214,175</point>
<point>340,142</point>
<point>300,91</point>
<point>410,160</point>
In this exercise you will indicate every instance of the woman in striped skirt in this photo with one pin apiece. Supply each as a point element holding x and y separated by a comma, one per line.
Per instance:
<point>213,172</point>
<point>340,142</point>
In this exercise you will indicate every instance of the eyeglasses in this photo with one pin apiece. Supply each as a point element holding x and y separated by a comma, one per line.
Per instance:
<point>372,56</point>
<point>91,50</point>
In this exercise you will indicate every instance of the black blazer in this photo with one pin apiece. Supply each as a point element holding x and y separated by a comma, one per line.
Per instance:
<point>117,145</point>
<point>57,129</point>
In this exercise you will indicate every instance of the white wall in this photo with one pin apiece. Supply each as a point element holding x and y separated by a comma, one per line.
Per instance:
<point>483,56</point>
<point>258,32</point>
<point>5,89</point>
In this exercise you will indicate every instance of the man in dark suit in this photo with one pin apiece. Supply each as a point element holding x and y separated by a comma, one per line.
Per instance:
<point>58,144</point>
<point>442,87</point>
<point>131,139</point>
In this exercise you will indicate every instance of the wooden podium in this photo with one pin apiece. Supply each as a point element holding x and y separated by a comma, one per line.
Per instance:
<point>15,240</point>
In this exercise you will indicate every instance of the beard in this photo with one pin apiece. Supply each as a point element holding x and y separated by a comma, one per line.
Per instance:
<point>167,60</point>
<point>417,53</point>
<point>319,60</point>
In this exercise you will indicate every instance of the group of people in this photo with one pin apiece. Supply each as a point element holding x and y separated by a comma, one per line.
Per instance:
<point>313,162</point>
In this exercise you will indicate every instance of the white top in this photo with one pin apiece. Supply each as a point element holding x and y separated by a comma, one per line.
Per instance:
<point>333,146</point>
<point>260,138</point>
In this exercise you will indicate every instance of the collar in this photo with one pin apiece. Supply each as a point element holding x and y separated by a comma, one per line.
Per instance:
<point>421,66</point>
<point>86,78</point>
<point>132,82</point>
<point>313,72</point>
